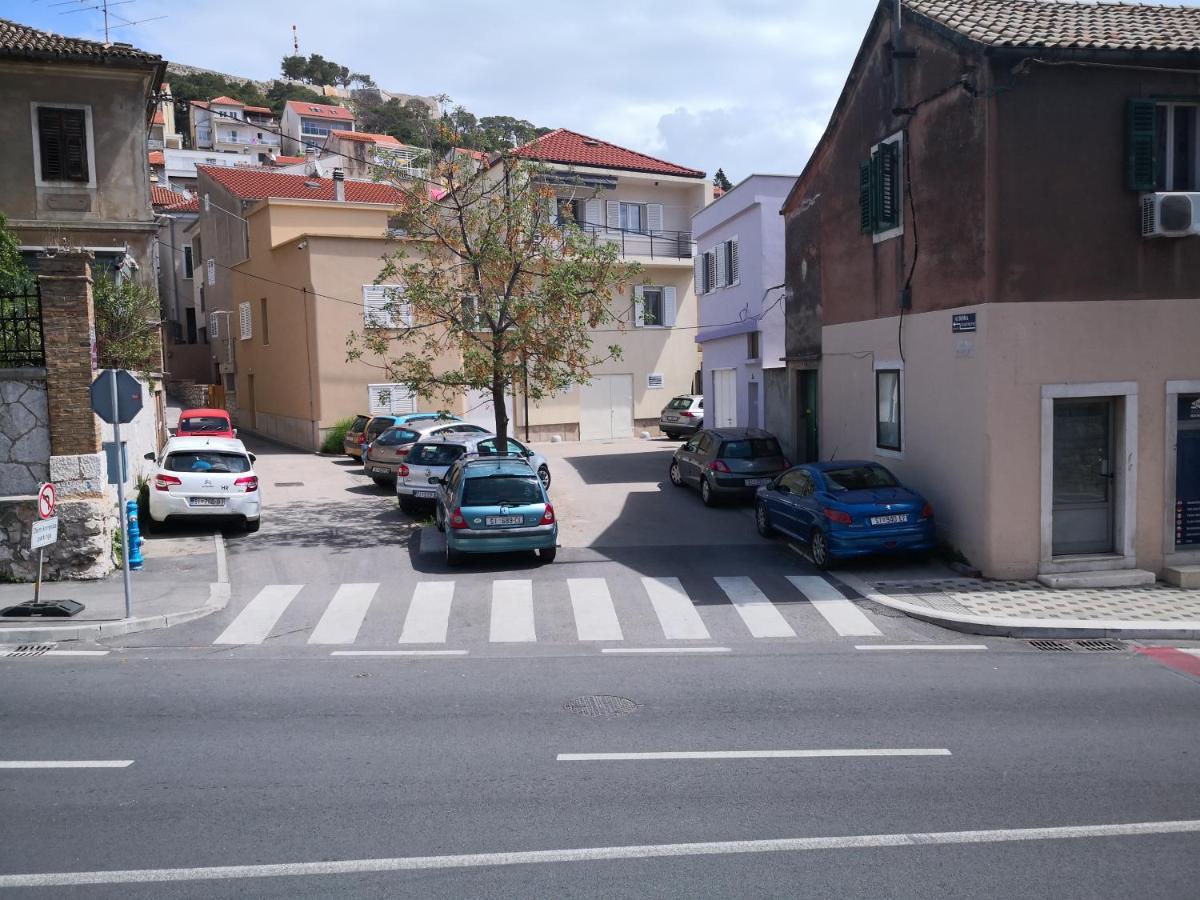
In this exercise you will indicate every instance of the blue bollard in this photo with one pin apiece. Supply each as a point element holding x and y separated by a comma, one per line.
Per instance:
<point>135,535</point>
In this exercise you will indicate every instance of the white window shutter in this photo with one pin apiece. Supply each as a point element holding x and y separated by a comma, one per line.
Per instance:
<point>639,307</point>
<point>214,333</point>
<point>374,306</point>
<point>614,214</point>
<point>654,217</point>
<point>403,400</point>
<point>733,261</point>
<point>699,275</point>
<point>404,312</point>
<point>244,319</point>
<point>719,253</point>
<point>669,306</point>
<point>387,399</point>
<point>552,210</point>
<point>592,211</point>
<point>710,269</point>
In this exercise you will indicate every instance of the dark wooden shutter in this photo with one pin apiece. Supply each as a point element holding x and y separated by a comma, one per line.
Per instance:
<point>62,135</point>
<point>866,221</point>
<point>888,187</point>
<point>1141,139</point>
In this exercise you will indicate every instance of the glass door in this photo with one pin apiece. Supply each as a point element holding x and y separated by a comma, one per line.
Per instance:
<point>1084,476</point>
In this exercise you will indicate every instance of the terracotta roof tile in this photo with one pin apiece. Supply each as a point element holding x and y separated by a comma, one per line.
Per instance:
<point>261,110</point>
<point>225,101</point>
<point>570,147</point>
<point>190,205</point>
<point>164,196</point>
<point>321,110</point>
<point>157,158</point>
<point>21,41</point>
<point>289,160</point>
<point>366,137</point>
<point>258,184</point>
<point>1062,25</point>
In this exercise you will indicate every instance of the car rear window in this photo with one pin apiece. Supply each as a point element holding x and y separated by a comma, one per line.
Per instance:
<point>494,490</point>
<point>204,423</point>
<point>435,454</point>
<point>859,478</point>
<point>751,448</point>
<point>360,422</point>
<point>394,436</point>
<point>680,403</point>
<point>206,461</point>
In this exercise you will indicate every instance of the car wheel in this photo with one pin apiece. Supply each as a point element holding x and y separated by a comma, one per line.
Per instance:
<point>544,475</point>
<point>672,435</point>
<point>453,557</point>
<point>547,554</point>
<point>763,520</point>
<point>818,548</point>
<point>706,493</point>
<point>251,525</point>
<point>676,475</point>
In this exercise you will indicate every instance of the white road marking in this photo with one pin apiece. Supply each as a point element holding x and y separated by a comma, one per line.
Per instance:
<point>665,650</point>
<point>845,618</point>
<point>344,616</point>
<point>398,652</point>
<point>512,611</point>
<point>65,763</point>
<point>428,616</point>
<point>255,622</point>
<point>759,613</point>
<point>592,854</point>
<point>76,653</point>
<point>748,754</point>
<point>1194,651</point>
<point>676,614</point>
<point>920,646</point>
<point>595,616</point>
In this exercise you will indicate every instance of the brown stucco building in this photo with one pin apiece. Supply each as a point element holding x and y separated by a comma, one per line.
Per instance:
<point>978,269</point>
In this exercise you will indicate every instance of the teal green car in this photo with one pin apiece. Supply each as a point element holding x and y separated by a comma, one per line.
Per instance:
<point>495,505</point>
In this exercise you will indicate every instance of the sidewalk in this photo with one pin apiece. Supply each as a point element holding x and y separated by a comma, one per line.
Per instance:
<point>184,578</point>
<point>1027,609</point>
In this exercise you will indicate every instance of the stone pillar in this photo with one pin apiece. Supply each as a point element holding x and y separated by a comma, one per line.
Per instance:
<point>69,329</point>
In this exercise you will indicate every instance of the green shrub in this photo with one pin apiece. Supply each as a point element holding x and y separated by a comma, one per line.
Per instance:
<point>335,435</point>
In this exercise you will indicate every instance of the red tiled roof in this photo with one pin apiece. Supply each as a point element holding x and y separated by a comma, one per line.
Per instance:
<point>474,154</point>
<point>203,104</point>
<point>190,205</point>
<point>163,196</point>
<point>258,184</point>
<point>258,109</point>
<point>289,160</point>
<point>366,137</point>
<point>570,147</point>
<point>225,101</point>
<point>321,110</point>
<point>157,158</point>
<point>22,42</point>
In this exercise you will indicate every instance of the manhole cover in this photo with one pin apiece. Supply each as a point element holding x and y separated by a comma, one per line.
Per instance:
<point>29,650</point>
<point>1100,646</point>
<point>1091,646</point>
<point>601,706</point>
<point>1059,646</point>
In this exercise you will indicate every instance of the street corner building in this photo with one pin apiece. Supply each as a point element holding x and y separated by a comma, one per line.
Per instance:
<point>993,272</point>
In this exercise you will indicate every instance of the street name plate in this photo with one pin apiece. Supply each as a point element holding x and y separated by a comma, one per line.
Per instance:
<point>44,533</point>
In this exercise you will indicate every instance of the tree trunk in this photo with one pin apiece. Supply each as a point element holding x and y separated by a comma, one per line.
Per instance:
<point>498,405</point>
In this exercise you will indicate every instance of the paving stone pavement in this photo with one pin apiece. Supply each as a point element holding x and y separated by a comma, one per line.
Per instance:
<point>1028,599</point>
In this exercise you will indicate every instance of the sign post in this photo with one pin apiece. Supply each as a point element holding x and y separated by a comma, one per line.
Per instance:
<point>43,534</point>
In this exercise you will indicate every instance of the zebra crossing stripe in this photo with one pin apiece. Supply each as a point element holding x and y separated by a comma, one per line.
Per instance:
<point>255,622</point>
<point>344,616</point>
<point>428,617</point>
<point>512,612</point>
<point>759,613</point>
<point>595,616</point>
<point>676,614</point>
<point>843,616</point>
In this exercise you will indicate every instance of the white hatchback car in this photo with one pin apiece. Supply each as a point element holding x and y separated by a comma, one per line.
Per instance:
<point>205,478</point>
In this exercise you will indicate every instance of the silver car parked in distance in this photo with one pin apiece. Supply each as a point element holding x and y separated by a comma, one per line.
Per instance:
<point>682,417</point>
<point>431,458</point>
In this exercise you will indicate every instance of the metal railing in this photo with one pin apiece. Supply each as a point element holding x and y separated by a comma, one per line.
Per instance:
<point>651,244</point>
<point>21,341</point>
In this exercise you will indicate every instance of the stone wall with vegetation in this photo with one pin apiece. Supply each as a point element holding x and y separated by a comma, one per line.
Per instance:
<point>24,431</point>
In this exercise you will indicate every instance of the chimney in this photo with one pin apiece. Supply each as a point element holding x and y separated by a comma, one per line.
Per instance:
<point>339,185</point>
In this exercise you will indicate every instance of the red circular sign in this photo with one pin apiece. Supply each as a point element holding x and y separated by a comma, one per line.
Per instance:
<point>45,500</point>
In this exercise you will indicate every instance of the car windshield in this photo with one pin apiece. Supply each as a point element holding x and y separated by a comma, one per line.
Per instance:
<point>206,461</point>
<point>203,424</point>
<point>395,436</point>
<point>435,454</point>
<point>680,403</point>
<point>859,478</point>
<point>751,448</point>
<point>378,426</point>
<point>360,422</point>
<point>502,490</point>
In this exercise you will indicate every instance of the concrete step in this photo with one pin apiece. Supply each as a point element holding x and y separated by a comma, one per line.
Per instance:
<point>1112,578</point>
<point>1182,576</point>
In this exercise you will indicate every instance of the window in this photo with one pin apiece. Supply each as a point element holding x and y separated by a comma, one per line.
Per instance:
<point>1164,146</point>
<point>189,316</point>
<point>752,345</point>
<point>382,307</point>
<point>730,248</point>
<point>187,262</point>
<point>263,324</point>
<point>383,399</point>
<point>567,211</point>
<point>63,151</point>
<point>887,409</point>
<point>880,207</point>
<point>436,454</point>
<point>244,320</point>
<point>859,478</point>
<point>631,216</point>
<point>751,448</point>
<point>710,271</point>
<point>207,461</point>
<point>654,306</point>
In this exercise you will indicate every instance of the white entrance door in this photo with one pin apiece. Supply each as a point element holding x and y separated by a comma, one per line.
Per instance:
<point>606,408</point>
<point>481,411</point>
<point>725,398</point>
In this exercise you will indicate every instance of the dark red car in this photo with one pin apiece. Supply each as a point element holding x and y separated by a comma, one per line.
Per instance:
<point>205,423</point>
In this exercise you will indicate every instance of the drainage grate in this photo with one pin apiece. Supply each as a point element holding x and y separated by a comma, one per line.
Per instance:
<point>600,706</point>
<point>29,650</point>
<point>289,484</point>
<point>1091,646</point>
<point>1060,646</point>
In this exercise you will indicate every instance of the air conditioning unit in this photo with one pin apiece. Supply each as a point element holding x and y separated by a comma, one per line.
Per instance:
<point>1170,214</point>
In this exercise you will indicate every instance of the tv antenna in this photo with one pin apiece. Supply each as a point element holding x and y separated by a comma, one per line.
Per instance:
<point>295,42</point>
<point>103,7</point>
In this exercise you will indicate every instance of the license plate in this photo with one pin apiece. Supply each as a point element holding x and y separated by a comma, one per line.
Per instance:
<point>503,520</point>
<point>671,418</point>
<point>206,501</point>
<point>888,520</point>
<point>424,495</point>
<point>381,470</point>
<point>755,482</point>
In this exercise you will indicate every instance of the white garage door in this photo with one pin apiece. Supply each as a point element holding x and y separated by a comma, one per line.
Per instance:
<point>725,398</point>
<point>606,408</point>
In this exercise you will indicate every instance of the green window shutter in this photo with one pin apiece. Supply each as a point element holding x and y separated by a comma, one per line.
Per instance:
<point>888,186</point>
<point>866,221</point>
<point>1141,139</point>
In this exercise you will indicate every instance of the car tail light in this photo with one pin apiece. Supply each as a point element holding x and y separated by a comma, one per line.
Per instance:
<point>547,516</point>
<point>362,437</point>
<point>402,452</point>
<point>688,415</point>
<point>402,471</point>
<point>718,465</point>
<point>457,520</point>
<point>927,512</point>
<point>248,484</point>
<point>164,482</point>
<point>837,515</point>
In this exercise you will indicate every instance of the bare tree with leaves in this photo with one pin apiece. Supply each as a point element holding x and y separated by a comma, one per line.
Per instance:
<point>488,277</point>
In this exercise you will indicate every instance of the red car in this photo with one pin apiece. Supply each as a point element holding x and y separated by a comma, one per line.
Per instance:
<point>205,423</point>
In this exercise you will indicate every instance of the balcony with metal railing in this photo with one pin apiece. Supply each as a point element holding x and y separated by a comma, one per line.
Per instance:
<point>660,246</point>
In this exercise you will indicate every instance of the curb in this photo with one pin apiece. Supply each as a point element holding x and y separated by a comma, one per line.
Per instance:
<point>1002,626</point>
<point>218,599</point>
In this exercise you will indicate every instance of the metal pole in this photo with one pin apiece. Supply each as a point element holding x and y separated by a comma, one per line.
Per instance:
<point>121,496</point>
<point>37,585</point>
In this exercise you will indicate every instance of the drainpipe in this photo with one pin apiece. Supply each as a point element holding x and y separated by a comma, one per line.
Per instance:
<point>339,185</point>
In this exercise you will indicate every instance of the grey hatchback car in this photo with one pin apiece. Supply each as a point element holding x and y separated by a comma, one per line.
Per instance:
<point>684,415</point>
<point>728,462</point>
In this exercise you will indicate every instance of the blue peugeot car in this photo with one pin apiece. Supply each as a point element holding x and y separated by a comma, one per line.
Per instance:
<point>843,509</point>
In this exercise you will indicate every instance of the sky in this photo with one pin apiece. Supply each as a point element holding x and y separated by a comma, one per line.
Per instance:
<point>745,85</point>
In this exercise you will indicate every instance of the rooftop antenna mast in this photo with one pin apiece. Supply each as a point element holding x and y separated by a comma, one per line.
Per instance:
<point>103,7</point>
<point>295,42</point>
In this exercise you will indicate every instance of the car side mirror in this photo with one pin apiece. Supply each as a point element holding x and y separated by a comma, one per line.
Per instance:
<point>436,480</point>
<point>253,458</point>
<point>528,454</point>
<point>149,456</point>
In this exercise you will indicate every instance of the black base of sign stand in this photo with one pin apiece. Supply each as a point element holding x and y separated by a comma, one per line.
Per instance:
<point>48,609</point>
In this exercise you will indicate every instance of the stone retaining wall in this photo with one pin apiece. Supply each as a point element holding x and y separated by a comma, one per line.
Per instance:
<point>24,431</point>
